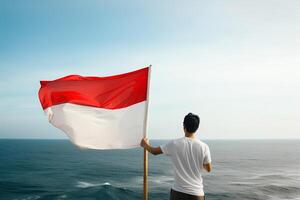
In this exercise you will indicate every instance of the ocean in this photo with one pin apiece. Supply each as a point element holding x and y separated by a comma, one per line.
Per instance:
<point>56,169</point>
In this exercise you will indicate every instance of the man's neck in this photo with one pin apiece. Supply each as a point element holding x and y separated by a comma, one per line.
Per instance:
<point>190,135</point>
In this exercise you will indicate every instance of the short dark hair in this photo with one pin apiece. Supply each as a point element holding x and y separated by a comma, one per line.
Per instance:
<point>191,122</point>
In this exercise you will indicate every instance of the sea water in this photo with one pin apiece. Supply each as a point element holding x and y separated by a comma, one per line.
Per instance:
<point>56,169</point>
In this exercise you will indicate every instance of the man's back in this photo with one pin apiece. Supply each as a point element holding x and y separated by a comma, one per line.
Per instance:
<point>188,156</point>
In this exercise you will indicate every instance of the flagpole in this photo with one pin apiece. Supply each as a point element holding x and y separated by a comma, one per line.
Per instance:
<point>145,174</point>
<point>145,183</point>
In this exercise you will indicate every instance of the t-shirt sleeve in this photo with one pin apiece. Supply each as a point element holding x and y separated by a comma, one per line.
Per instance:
<point>207,157</point>
<point>167,148</point>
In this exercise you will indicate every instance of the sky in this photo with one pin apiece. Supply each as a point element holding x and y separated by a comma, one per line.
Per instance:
<point>234,63</point>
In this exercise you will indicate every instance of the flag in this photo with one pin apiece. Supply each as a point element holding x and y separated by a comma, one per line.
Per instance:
<point>98,112</point>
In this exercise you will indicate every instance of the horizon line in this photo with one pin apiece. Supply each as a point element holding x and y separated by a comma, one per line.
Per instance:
<point>161,138</point>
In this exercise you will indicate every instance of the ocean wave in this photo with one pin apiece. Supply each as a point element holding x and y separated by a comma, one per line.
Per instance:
<point>21,188</point>
<point>223,196</point>
<point>160,179</point>
<point>34,197</point>
<point>275,177</point>
<point>83,184</point>
<point>102,191</point>
<point>88,190</point>
<point>64,196</point>
<point>242,183</point>
<point>280,189</point>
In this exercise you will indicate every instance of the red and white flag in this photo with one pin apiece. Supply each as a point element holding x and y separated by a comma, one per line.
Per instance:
<point>98,112</point>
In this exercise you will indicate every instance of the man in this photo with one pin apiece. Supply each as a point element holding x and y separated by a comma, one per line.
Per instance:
<point>189,156</point>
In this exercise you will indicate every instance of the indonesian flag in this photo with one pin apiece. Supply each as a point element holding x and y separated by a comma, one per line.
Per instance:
<point>98,112</point>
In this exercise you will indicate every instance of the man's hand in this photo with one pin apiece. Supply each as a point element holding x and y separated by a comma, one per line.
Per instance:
<point>207,167</point>
<point>154,150</point>
<point>144,142</point>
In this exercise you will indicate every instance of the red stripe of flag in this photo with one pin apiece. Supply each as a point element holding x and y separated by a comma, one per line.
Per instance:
<point>111,92</point>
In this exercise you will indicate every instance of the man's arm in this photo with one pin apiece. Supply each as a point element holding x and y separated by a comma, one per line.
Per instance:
<point>207,159</point>
<point>207,167</point>
<point>153,150</point>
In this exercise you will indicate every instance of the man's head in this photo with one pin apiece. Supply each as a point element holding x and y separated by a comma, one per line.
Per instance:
<point>191,123</point>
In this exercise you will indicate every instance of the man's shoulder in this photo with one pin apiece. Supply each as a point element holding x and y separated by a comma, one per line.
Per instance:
<point>201,143</point>
<point>176,141</point>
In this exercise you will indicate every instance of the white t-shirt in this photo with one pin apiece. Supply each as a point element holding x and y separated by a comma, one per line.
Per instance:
<point>188,156</point>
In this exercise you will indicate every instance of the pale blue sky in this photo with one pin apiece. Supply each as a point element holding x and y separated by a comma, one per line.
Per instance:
<point>235,63</point>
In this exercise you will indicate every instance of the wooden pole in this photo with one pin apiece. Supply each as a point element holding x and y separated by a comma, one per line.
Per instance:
<point>145,183</point>
<point>145,174</point>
